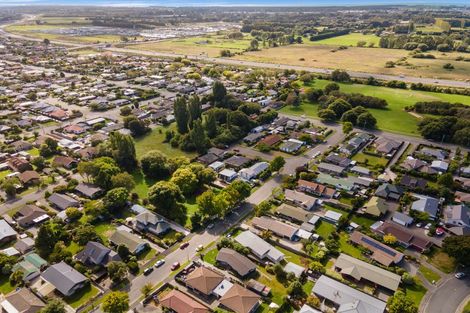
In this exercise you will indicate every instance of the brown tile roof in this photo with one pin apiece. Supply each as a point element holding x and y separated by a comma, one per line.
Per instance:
<point>239,299</point>
<point>316,188</point>
<point>204,280</point>
<point>380,252</point>
<point>277,227</point>
<point>237,262</point>
<point>24,301</point>
<point>28,176</point>
<point>182,303</point>
<point>271,140</point>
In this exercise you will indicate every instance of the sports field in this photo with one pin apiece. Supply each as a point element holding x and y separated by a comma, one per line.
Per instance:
<point>394,118</point>
<point>346,40</point>
<point>210,45</point>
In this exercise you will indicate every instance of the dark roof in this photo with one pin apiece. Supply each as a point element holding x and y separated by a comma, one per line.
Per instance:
<point>88,190</point>
<point>24,301</point>
<point>62,201</point>
<point>237,161</point>
<point>237,262</point>
<point>412,182</point>
<point>208,158</point>
<point>63,277</point>
<point>389,191</point>
<point>97,254</point>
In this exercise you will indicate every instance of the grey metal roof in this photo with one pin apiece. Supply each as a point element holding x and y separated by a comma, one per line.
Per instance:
<point>63,277</point>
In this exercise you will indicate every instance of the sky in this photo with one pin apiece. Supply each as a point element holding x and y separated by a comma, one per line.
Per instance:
<point>143,3</point>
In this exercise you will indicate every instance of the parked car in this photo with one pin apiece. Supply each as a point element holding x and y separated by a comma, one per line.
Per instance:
<point>184,245</point>
<point>440,231</point>
<point>419,225</point>
<point>428,225</point>
<point>148,270</point>
<point>460,275</point>
<point>199,248</point>
<point>160,263</point>
<point>210,226</point>
<point>175,266</point>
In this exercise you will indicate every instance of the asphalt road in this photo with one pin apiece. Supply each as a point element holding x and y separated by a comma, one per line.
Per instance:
<point>447,296</point>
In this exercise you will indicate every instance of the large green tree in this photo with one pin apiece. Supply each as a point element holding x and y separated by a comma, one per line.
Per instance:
<point>400,303</point>
<point>458,247</point>
<point>219,92</point>
<point>199,137</point>
<point>122,150</point>
<point>211,125</point>
<point>186,180</point>
<point>115,302</point>
<point>194,107</point>
<point>182,116</point>
<point>117,271</point>
<point>165,196</point>
<point>155,164</point>
<point>116,199</point>
<point>54,306</point>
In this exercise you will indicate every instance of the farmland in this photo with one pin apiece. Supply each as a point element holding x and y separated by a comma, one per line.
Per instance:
<point>394,118</point>
<point>346,40</point>
<point>209,45</point>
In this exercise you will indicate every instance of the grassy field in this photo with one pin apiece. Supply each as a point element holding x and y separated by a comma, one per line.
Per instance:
<point>354,59</point>
<point>210,45</point>
<point>324,229</point>
<point>5,286</point>
<point>155,141</point>
<point>82,296</point>
<point>210,256</point>
<point>429,274</point>
<point>443,262</point>
<point>372,160</point>
<point>394,118</point>
<point>416,292</point>
<point>346,40</point>
<point>466,309</point>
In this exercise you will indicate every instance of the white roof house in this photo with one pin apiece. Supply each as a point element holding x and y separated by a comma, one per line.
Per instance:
<point>300,199</point>
<point>253,171</point>
<point>259,247</point>
<point>227,175</point>
<point>332,216</point>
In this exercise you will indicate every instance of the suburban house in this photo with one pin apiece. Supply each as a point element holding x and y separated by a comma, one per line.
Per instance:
<point>29,177</point>
<point>435,153</point>
<point>412,182</point>
<point>237,162</point>
<point>260,248</point>
<point>253,138</point>
<point>404,237</point>
<point>64,278</point>
<point>386,146</point>
<point>64,161</point>
<point>271,140</point>
<point>389,191</point>
<point>301,199</point>
<point>331,168</point>
<point>239,299</point>
<point>31,266</point>
<point>7,233</point>
<point>457,217</point>
<point>413,164</point>
<point>62,202</point>
<point>316,189</point>
<point>336,159</point>
<point>440,166</point>
<point>380,252</point>
<point>345,298</point>
<point>253,171</point>
<point>89,191</point>
<point>291,146</point>
<point>131,241</point>
<point>203,280</point>
<point>426,204</point>
<point>96,253</point>
<point>30,215</point>
<point>293,213</point>
<point>375,206</point>
<point>24,245</point>
<point>227,175</point>
<point>278,228</point>
<point>363,271</point>
<point>19,164</point>
<point>179,302</point>
<point>22,301</point>
<point>237,262</point>
<point>402,219</point>
<point>149,222</point>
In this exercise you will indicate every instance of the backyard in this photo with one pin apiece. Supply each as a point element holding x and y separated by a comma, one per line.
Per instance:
<point>82,296</point>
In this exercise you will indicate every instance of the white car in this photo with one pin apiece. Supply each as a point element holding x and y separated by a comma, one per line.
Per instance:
<point>199,248</point>
<point>460,275</point>
<point>160,263</point>
<point>419,225</point>
<point>428,225</point>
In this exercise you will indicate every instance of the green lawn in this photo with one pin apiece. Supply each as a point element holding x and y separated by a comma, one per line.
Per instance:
<point>82,296</point>
<point>5,286</point>
<point>346,40</point>
<point>105,230</point>
<point>147,254</point>
<point>362,220</point>
<point>155,141</point>
<point>142,184</point>
<point>324,229</point>
<point>4,174</point>
<point>348,248</point>
<point>210,256</point>
<point>466,309</point>
<point>429,274</point>
<point>394,118</point>
<point>73,247</point>
<point>278,291</point>
<point>416,292</point>
<point>443,262</point>
<point>293,257</point>
<point>33,152</point>
<point>372,160</point>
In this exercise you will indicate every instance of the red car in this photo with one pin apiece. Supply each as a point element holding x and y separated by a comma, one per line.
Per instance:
<point>175,266</point>
<point>440,231</point>
<point>184,245</point>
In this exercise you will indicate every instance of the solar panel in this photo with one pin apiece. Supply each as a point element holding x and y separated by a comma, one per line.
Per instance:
<point>378,246</point>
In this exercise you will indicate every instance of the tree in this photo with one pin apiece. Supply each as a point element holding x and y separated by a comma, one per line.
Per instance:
<point>155,164</point>
<point>186,180</point>
<point>446,180</point>
<point>73,214</point>
<point>263,208</point>
<point>330,87</point>
<point>181,113</point>
<point>84,234</point>
<point>146,289</point>
<point>48,235</point>
<point>46,42</point>
<point>54,305</point>
<point>101,170</point>
<point>458,247</point>
<point>48,148</point>
<point>219,92</point>
<point>195,111</point>
<point>117,271</point>
<point>389,239</point>
<point>277,163</point>
<point>16,278</point>
<point>296,290</point>
<point>340,76</point>
<point>317,267</point>
<point>400,303</point>
<point>347,127</point>
<point>211,125</point>
<point>138,127</point>
<point>165,196</point>
<point>124,180</point>
<point>116,199</point>
<point>9,186</point>
<point>115,302</point>
<point>254,45</point>
<point>339,106</point>
<point>243,189</point>
<point>293,99</point>
<point>207,205</point>
<point>60,253</point>
<point>122,150</point>
<point>327,115</point>
<point>366,120</point>
<point>199,137</point>
<point>312,94</point>
<point>39,162</point>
